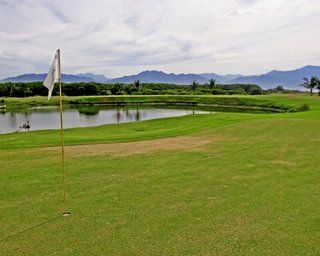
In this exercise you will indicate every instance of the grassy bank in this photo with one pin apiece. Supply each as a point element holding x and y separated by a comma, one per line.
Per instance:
<point>222,184</point>
<point>268,103</point>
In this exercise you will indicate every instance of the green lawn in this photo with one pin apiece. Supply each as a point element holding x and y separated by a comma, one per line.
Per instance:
<point>253,189</point>
<point>16,104</point>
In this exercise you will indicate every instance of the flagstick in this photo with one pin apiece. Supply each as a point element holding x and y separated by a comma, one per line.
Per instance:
<point>66,213</point>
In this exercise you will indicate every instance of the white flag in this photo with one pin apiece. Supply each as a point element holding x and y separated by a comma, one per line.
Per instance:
<point>53,75</point>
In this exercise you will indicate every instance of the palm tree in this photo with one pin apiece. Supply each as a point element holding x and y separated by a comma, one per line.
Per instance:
<point>194,86</point>
<point>27,91</point>
<point>212,83</point>
<point>310,84</point>
<point>137,84</point>
<point>12,89</point>
<point>318,86</point>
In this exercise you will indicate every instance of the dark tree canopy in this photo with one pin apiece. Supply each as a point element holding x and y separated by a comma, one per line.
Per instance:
<point>137,88</point>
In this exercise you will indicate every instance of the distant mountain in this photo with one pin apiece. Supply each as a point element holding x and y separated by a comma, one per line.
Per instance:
<point>67,78</point>
<point>96,78</point>
<point>25,78</point>
<point>288,79</point>
<point>220,79</point>
<point>160,77</point>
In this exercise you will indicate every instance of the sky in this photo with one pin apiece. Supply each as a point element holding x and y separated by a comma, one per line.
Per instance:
<point>124,37</point>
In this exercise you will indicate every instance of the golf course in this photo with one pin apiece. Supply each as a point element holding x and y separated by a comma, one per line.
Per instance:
<point>245,181</point>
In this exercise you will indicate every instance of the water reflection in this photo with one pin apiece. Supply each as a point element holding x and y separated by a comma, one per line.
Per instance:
<point>132,115</point>
<point>48,118</point>
<point>89,111</point>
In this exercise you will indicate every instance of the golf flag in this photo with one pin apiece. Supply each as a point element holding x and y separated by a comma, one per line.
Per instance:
<point>53,75</point>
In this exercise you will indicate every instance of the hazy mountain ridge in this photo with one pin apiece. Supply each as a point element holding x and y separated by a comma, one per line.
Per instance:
<point>154,76</point>
<point>95,77</point>
<point>221,79</point>
<point>290,79</point>
<point>67,78</point>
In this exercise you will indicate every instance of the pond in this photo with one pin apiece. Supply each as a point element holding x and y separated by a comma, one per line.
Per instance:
<point>42,118</point>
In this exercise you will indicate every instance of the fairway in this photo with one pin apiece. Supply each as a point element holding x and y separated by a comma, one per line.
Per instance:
<point>211,184</point>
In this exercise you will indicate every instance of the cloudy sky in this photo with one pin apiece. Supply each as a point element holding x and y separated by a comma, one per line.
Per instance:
<point>115,37</point>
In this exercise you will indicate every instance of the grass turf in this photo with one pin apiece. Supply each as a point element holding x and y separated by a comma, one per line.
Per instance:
<point>17,104</point>
<point>254,191</point>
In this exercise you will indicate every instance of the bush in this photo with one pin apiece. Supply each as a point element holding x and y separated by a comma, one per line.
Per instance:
<point>218,92</point>
<point>304,107</point>
<point>227,92</point>
<point>116,89</point>
<point>147,91</point>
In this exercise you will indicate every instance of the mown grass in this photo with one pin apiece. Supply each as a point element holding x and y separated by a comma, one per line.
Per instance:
<point>252,191</point>
<point>16,104</point>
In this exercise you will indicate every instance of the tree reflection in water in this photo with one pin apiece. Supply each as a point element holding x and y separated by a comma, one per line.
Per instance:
<point>85,116</point>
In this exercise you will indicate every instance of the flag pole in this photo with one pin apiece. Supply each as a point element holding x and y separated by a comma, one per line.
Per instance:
<point>63,167</point>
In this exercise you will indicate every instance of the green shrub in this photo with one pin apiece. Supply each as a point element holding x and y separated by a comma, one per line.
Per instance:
<point>304,107</point>
<point>218,92</point>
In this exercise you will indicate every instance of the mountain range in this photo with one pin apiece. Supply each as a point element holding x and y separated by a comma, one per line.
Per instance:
<point>289,79</point>
<point>94,77</point>
<point>154,76</point>
<point>67,78</point>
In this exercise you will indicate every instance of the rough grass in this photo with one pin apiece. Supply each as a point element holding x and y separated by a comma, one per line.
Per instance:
<point>254,191</point>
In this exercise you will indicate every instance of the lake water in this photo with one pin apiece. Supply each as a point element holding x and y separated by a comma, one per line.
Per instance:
<point>48,117</point>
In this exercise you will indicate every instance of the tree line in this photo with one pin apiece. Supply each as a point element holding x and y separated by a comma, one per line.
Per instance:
<point>9,89</point>
<point>26,89</point>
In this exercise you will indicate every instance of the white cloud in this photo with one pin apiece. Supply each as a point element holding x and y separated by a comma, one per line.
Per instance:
<point>121,37</point>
